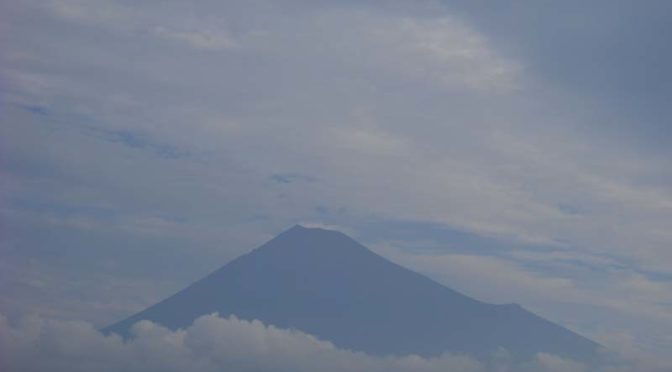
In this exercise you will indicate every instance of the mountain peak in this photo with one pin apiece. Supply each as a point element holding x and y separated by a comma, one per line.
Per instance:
<point>314,241</point>
<point>296,228</point>
<point>325,283</point>
<point>301,229</point>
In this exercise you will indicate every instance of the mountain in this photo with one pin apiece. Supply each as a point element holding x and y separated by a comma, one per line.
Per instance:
<point>324,283</point>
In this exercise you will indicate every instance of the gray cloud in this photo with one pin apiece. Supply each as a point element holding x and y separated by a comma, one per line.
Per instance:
<point>351,128</point>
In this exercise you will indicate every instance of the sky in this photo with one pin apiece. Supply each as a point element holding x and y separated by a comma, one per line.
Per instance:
<point>518,152</point>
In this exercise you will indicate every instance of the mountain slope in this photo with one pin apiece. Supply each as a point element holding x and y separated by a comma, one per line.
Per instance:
<point>326,284</point>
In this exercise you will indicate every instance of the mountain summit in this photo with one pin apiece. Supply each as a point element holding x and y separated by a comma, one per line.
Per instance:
<point>324,283</point>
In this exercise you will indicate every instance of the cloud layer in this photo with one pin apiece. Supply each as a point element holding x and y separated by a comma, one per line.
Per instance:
<point>229,344</point>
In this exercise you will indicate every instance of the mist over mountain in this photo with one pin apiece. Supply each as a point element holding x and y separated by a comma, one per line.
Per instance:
<point>326,284</point>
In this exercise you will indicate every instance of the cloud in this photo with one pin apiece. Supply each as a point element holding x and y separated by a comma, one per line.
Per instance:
<point>354,122</point>
<point>400,115</point>
<point>117,17</point>
<point>213,343</point>
<point>210,344</point>
<point>207,40</point>
<point>450,52</point>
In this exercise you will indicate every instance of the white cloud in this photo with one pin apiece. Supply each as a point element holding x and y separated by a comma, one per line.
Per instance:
<point>450,52</point>
<point>213,344</point>
<point>210,344</point>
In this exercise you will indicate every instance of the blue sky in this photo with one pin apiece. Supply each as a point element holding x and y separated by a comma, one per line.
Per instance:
<point>517,153</point>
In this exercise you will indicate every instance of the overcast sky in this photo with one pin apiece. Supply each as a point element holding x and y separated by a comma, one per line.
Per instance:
<point>514,151</point>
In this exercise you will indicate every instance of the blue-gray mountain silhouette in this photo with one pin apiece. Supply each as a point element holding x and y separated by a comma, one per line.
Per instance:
<point>324,283</point>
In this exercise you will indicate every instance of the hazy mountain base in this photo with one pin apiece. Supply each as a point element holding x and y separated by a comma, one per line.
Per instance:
<point>213,343</point>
